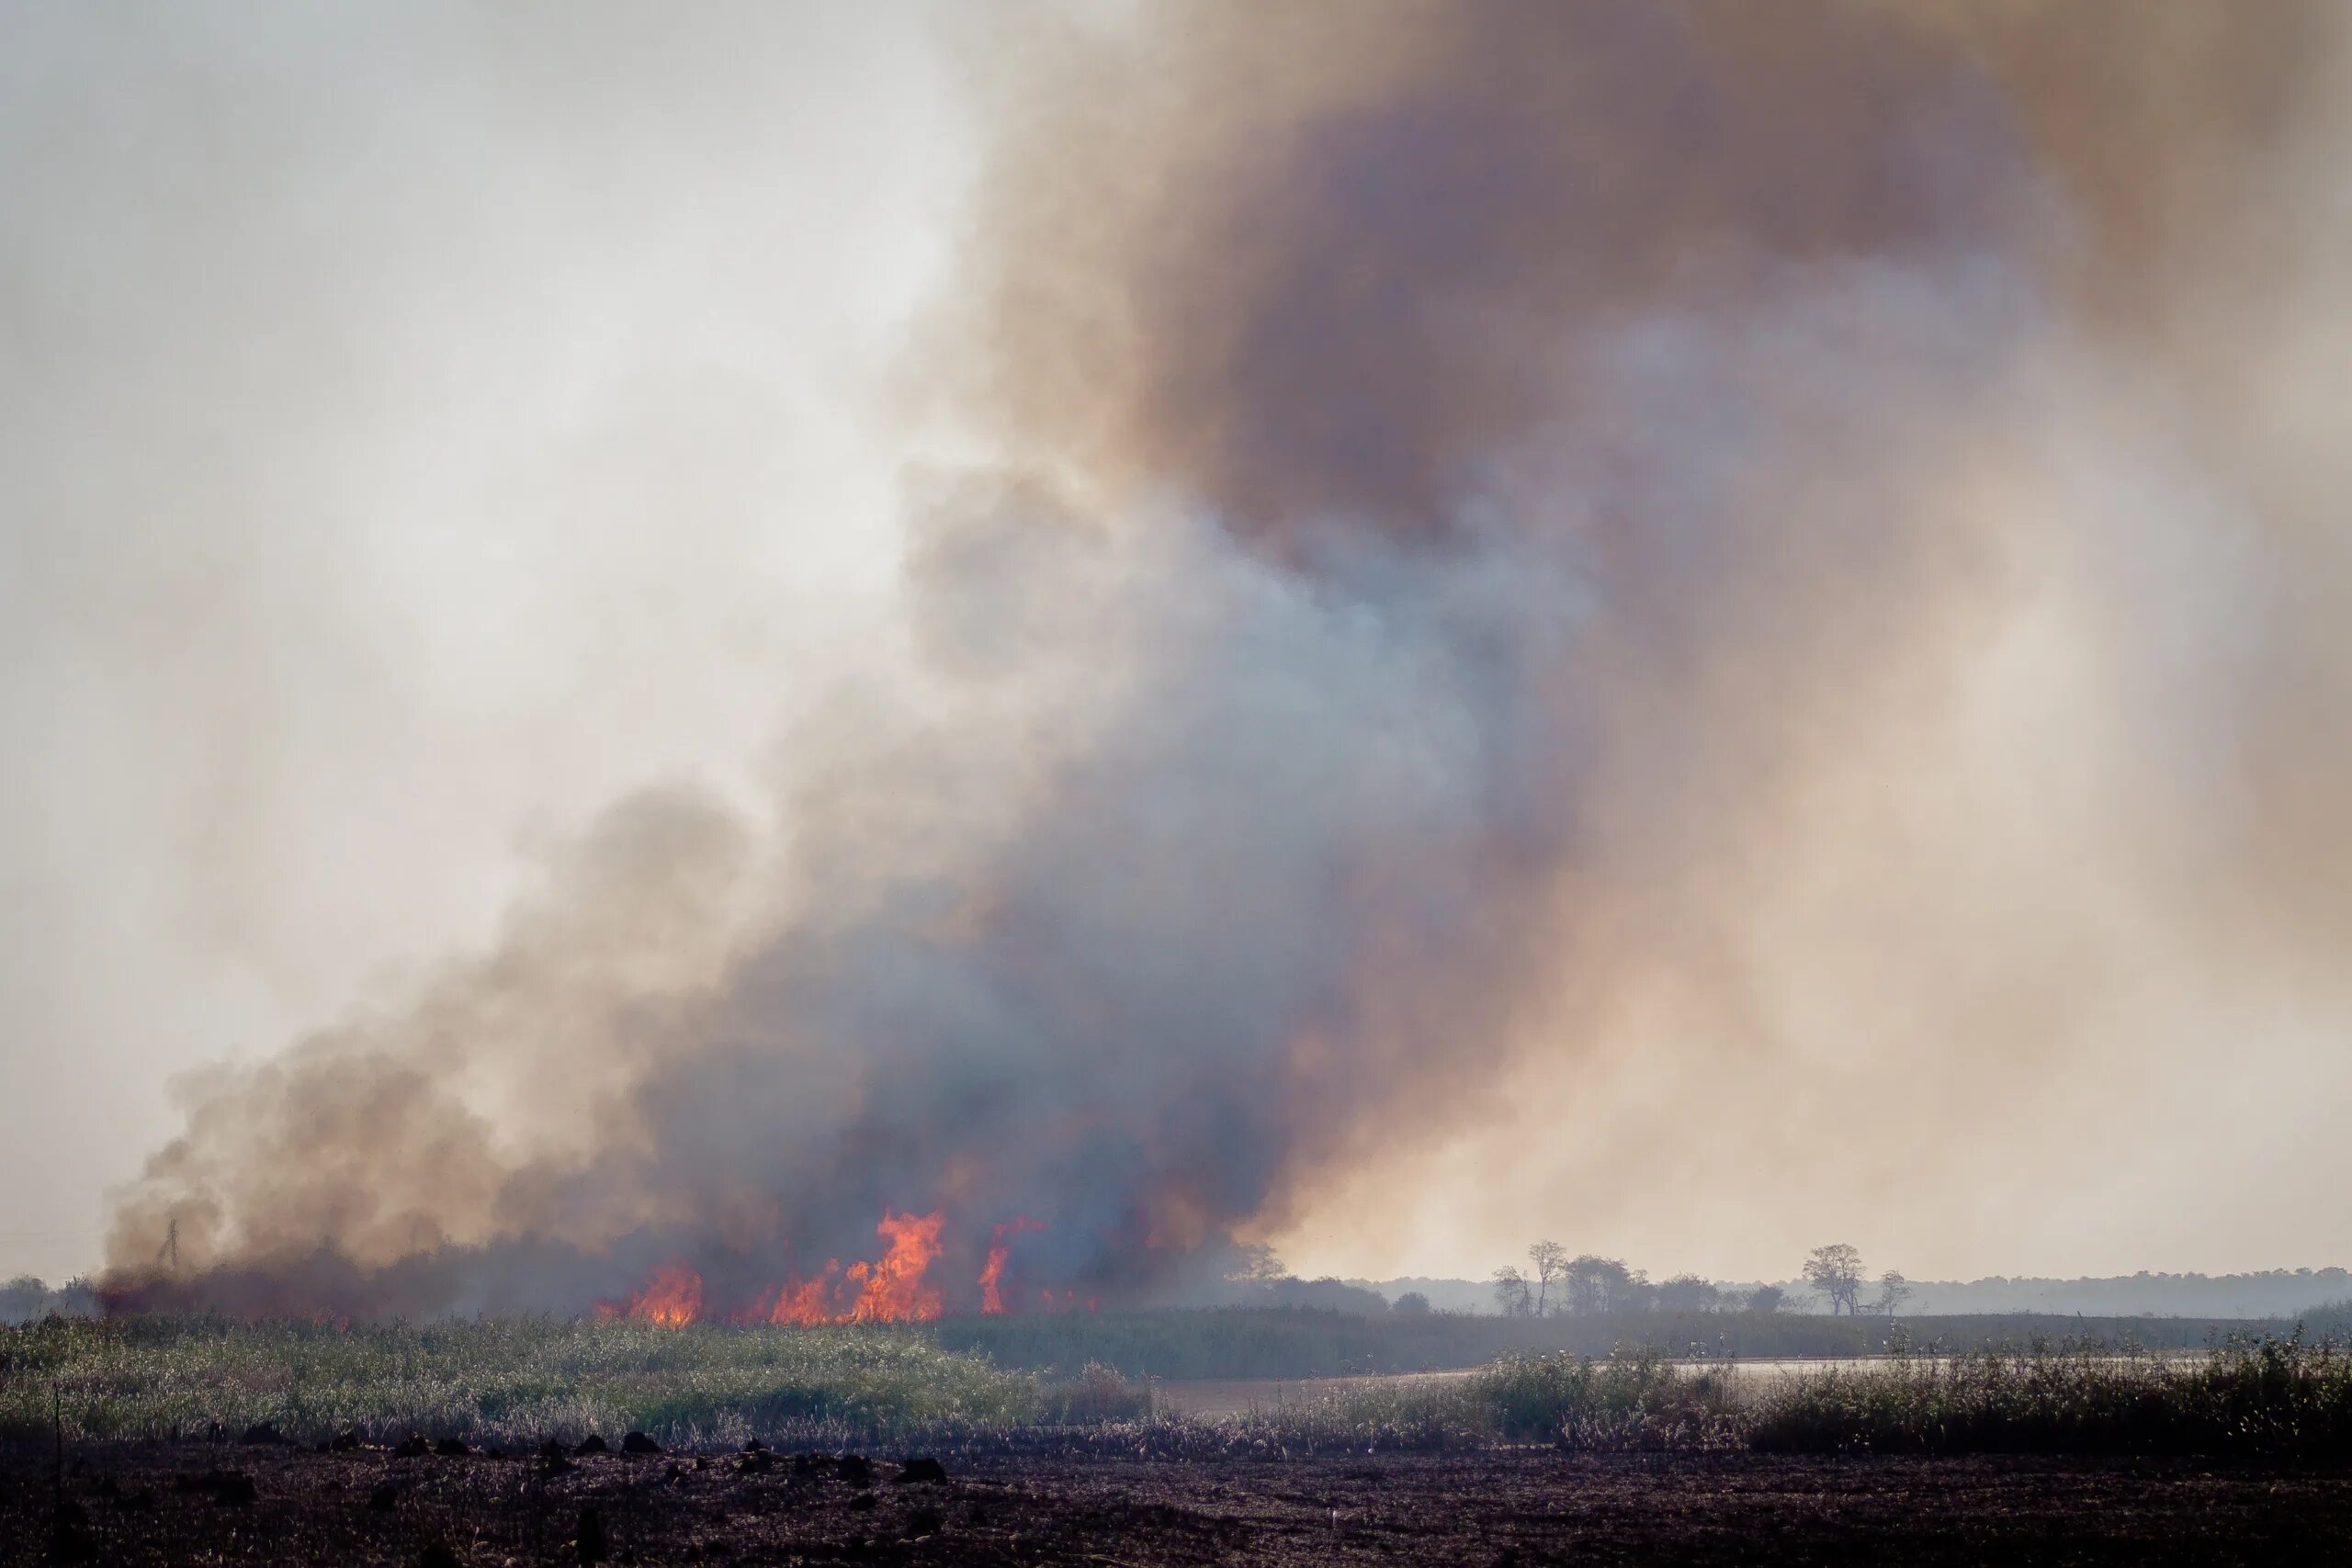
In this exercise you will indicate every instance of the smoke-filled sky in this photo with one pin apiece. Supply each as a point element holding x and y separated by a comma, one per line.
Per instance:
<point>643,632</point>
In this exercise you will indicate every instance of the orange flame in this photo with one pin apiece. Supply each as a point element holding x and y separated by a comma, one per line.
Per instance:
<point>999,1249</point>
<point>892,1290</point>
<point>807,1302</point>
<point>673,1298</point>
<point>895,1289</point>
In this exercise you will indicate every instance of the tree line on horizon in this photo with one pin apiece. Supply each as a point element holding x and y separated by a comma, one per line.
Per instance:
<point>1556,1282</point>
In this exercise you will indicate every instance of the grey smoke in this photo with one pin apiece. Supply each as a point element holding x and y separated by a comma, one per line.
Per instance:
<point>1525,542</point>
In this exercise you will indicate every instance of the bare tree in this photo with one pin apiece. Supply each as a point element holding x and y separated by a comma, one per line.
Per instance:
<point>1836,1271</point>
<point>1550,1258</point>
<point>1512,1298</point>
<point>1894,1289</point>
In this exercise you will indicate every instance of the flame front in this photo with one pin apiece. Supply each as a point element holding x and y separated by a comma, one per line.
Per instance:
<point>807,1302</point>
<point>1000,1251</point>
<point>673,1298</point>
<point>895,1290</point>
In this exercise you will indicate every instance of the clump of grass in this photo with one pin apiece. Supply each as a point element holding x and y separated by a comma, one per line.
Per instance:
<point>1098,1394</point>
<point>1635,1400</point>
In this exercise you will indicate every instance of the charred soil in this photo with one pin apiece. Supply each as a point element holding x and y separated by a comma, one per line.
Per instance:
<point>157,1504</point>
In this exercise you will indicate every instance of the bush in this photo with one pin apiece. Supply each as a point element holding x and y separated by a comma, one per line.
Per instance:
<point>1098,1394</point>
<point>1638,1401</point>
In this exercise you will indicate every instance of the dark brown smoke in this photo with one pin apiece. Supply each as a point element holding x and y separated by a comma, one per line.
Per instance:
<point>1313,273</point>
<point>1527,519</point>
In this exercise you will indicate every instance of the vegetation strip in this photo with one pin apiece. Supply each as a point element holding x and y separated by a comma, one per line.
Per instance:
<point>515,1385</point>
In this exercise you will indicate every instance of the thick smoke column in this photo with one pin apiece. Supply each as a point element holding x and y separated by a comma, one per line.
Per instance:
<point>1487,477</point>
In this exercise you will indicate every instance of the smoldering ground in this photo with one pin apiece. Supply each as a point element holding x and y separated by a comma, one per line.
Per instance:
<point>1518,535</point>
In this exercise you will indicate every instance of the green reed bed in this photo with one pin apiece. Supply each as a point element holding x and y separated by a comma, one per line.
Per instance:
<point>500,1382</point>
<point>2272,1396</point>
<point>1639,1402</point>
<point>522,1382</point>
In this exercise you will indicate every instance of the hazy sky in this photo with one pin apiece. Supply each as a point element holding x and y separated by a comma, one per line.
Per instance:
<point>425,424</point>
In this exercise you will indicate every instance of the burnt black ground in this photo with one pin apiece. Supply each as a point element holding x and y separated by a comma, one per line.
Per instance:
<point>139,1505</point>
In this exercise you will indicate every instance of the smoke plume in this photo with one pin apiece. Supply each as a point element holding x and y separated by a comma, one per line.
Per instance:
<point>1523,535</point>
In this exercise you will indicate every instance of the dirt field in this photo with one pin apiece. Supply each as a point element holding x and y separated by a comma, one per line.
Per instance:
<point>232,1504</point>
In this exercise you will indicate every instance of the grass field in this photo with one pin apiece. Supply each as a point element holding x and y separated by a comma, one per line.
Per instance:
<point>1298,1342</point>
<point>519,1384</point>
<point>508,1382</point>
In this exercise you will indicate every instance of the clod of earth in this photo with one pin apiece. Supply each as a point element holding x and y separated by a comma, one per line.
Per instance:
<point>920,1469</point>
<point>589,1538</point>
<point>638,1443</point>
<point>228,1488</point>
<point>593,1443</point>
<point>69,1535</point>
